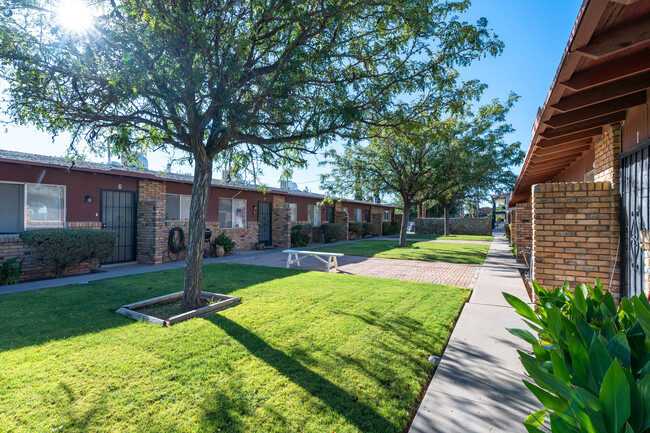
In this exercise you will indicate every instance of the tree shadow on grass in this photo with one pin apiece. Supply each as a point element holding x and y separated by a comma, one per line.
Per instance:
<point>36,317</point>
<point>357,413</point>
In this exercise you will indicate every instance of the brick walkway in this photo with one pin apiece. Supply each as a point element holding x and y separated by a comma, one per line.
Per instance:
<point>410,270</point>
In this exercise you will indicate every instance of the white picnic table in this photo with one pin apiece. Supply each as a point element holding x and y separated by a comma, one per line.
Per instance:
<point>295,257</point>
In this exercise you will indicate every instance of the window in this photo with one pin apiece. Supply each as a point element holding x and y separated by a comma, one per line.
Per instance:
<point>313,214</point>
<point>357,215</point>
<point>386,215</point>
<point>330,214</point>
<point>12,219</point>
<point>294,210</point>
<point>178,207</point>
<point>232,213</point>
<point>44,205</point>
<point>589,177</point>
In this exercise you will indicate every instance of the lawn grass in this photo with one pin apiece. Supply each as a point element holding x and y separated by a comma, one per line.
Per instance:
<point>304,352</point>
<point>448,238</point>
<point>473,254</point>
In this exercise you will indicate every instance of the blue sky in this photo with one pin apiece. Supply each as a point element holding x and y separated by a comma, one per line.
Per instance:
<point>535,35</point>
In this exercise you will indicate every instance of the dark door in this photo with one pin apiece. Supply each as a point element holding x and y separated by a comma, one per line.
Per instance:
<point>634,217</point>
<point>118,213</point>
<point>330,214</point>
<point>264,219</point>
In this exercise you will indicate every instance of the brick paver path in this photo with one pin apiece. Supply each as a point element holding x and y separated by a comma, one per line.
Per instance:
<point>452,274</point>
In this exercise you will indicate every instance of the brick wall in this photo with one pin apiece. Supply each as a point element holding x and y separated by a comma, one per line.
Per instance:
<point>576,229</point>
<point>245,239</point>
<point>280,219</point>
<point>13,246</point>
<point>513,225</point>
<point>376,218</point>
<point>607,156</point>
<point>523,231</point>
<point>151,238</point>
<point>341,217</point>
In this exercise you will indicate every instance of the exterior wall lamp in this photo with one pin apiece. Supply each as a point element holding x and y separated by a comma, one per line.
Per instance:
<point>89,199</point>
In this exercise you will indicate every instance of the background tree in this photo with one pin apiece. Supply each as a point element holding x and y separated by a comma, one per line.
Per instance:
<point>257,80</point>
<point>474,157</point>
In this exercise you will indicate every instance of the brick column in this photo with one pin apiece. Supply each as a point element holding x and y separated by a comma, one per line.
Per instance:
<point>523,231</point>
<point>575,234</point>
<point>607,161</point>
<point>341,217</point>
<point>151,237</point>
<point>280,219</point>
<point>376,218</point>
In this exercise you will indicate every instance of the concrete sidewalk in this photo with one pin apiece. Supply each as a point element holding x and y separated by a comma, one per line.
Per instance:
<point>478,384</point>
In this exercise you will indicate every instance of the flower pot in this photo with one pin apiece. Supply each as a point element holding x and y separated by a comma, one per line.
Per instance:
<point>259,246</point>
<point>219,251</point>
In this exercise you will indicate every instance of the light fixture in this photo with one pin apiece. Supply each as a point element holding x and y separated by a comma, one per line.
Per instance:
<point>89,199</point>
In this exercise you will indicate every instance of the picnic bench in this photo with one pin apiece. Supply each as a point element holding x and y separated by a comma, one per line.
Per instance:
<point>295,256</point>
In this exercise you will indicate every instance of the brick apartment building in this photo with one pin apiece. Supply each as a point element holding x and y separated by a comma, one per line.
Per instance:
<point>142,206</point>
<point>582,198</point>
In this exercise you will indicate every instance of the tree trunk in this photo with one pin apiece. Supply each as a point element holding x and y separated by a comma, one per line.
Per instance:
<point>446,208</point>
<point>405,224</point>
<point>198,208</point>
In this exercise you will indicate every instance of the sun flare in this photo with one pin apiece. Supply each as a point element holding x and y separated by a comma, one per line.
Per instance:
<point>74,15</point>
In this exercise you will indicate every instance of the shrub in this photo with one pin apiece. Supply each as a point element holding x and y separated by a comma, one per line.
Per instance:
<point>223,240</point>
<point>301,235</point>
<point>60,248</point>
<point>389,228</point>
<point>10,271</point>
<point>590,360</point>
<point>330,231</point>
<point>513,249</point>
<point>506,230</point>
<point>368,228</point>
<point>356,229</point>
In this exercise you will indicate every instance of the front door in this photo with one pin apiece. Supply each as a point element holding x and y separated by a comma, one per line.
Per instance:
<point>118,214</point>
<point>264,219</point>
<point>635,214</point>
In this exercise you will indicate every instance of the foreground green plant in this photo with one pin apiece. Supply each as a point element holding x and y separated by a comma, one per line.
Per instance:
<point>10,271</point>
<point>589,362</point>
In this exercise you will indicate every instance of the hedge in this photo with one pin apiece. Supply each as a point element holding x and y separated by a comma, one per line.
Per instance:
<point>330,231</point>
<point>301,235</point>
<point>60,248</point>
<point>590,361</point>
<point>389,228</point>
<point>506,230</point>
<point>368,228</point>
<point>356,228</point>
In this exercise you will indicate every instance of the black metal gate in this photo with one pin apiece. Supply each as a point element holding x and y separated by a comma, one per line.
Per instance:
<point>635,211</point>
<point>118,213</point>
<point>264,219</point>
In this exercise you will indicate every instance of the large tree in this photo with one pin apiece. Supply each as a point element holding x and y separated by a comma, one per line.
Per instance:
<point>266,79</point>
<point>474,156</point>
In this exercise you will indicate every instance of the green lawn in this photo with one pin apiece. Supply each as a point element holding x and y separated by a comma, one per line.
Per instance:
<point>449,238</point>
<point>473,254</point>
<point>304,352</point>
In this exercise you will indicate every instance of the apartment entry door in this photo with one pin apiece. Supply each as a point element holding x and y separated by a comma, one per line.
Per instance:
<point>118,214</point>
<point>265,223</point>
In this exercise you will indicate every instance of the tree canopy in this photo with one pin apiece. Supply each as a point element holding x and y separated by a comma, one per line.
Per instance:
<point>257,80</point>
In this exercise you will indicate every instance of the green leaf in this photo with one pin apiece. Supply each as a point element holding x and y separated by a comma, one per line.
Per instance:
<point>636,417</point>
<point>546,398</point>
<point>586,331</point>
<point>644,391</point>
<point>642,315</point>
<point>581,415</point>
<point>549,381</point>
<point>555,324</point>
<point>579,299</point>
<point>619,348</point>
<point>579,357</point>
<point>615,398</point>
<point>599,360</point>
<point>522,308</point>
<point>536,419</point>
<point>608,301</point>
<point>560,369</point>
<point>558,425</point>
<point>523,334</point>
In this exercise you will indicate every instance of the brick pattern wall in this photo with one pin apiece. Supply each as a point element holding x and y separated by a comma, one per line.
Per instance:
<point>513,225</point>
<point>341,217</point>
<point>13,246</point>
<point>151,238</point>
<point>280,219</point>
<point>576,229</point>
<point>607,162</point>
<point>376,218</point>
<point>457,226</point>
<point>245,239</point>
<point>523,231</point>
